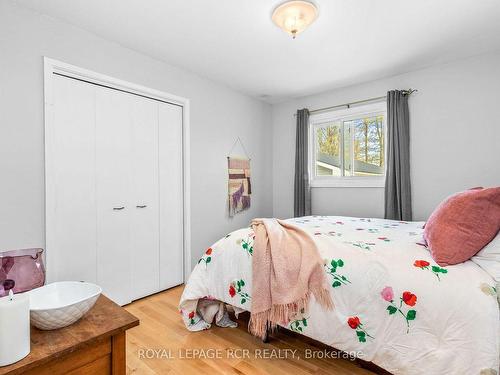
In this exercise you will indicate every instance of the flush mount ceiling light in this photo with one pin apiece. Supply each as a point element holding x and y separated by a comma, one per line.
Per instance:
<point>294,16</point>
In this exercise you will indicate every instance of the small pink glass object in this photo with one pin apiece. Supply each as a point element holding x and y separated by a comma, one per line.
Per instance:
<point>21,270</point>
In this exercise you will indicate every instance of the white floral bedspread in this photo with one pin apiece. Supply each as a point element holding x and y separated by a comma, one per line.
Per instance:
<point>392,303</point>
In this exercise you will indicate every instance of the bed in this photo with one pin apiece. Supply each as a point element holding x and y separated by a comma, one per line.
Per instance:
<point>394,306</point>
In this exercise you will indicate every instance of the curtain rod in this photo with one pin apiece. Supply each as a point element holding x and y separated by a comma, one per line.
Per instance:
<point>348,105</point>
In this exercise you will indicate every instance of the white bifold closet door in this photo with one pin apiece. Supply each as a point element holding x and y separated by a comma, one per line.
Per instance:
<point>115,193</point>
<point>145,205</point>
<point>113,186</point>
<point>71,234</point>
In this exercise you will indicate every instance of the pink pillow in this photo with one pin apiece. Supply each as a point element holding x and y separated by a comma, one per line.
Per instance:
<point>462,225</point>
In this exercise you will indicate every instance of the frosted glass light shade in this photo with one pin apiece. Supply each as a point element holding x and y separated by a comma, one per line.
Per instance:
<point>295,16</point>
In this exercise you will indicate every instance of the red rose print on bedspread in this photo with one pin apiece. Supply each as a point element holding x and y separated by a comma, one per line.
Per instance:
<point>207,258</point>
<point>421,263</point>
<point>436,270</point>
<point>236,288</point>
<point>355,323</point>
<point>407,298</point>
<point>232,291</point>
<point>385,239</point>
<point>191,316</point>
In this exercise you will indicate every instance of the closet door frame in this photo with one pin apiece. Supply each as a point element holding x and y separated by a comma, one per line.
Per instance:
<point>54,67</point>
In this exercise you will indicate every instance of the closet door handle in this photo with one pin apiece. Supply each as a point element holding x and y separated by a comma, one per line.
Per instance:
<point>118,208</point>
<point>141,206</point>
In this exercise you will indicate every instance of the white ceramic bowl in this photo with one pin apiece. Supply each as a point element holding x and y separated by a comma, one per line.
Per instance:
<point>62,303</point>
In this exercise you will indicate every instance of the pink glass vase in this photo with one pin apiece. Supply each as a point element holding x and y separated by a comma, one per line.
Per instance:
<point>21,270</point>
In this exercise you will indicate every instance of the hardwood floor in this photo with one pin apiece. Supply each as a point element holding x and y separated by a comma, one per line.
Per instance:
<point>161,343</point>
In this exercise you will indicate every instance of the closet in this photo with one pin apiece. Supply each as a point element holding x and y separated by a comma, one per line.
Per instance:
<point>114,189</point>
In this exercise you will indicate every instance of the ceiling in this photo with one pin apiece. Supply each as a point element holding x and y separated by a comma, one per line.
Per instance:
<point>235,43</point>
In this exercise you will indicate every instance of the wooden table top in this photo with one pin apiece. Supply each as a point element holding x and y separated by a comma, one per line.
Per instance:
<point>105,319</point>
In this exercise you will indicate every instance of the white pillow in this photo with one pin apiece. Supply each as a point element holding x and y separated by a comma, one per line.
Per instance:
<point>489,258</point>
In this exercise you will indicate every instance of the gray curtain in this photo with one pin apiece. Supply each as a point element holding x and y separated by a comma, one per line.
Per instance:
<point>302,191</point>
<point>397,178</point>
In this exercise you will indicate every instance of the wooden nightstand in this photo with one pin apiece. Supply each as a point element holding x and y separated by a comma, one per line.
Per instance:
<point>93,345</point>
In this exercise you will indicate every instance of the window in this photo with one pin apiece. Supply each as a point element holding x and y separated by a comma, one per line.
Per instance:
<point>348,147</point>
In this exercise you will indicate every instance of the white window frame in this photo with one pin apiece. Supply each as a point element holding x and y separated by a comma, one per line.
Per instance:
<point>319,119</point>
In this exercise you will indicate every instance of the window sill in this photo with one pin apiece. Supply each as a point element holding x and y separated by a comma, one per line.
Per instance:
<point>348,182</point>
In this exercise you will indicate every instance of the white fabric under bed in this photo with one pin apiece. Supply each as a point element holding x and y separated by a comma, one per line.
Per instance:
<point>454,326</point>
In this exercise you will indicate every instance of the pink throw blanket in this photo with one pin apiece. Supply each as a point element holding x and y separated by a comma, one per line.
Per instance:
<point>286,269</point>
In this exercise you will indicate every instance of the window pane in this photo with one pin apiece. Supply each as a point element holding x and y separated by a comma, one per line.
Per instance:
<point>347,149</point>
<point>328,147</point>
<point>368,145</point>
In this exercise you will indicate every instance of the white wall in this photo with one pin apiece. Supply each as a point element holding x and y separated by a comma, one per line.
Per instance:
<point>218,116</point>
<point>455,138</point>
